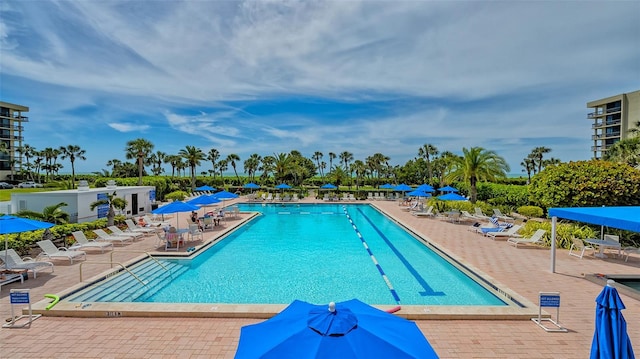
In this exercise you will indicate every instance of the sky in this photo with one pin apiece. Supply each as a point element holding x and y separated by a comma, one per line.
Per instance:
<point>269,77</point>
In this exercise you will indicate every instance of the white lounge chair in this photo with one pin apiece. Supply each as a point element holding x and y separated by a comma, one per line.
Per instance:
<point>50,251</point>
<point>536,238</point>
<point>154,223</point>
<point>83,243</point>
<point>13,261</point>
<point>480,215</point>
<point>466,216</point>
<point>427,213</point>
<point>510,232</point>
<point>578,245</point>
<point>499,215</point>
<point>411,207</point>
<point>118,232</point>
<point>134,228</point>
<point>104,236</point>
<point>630,250</point>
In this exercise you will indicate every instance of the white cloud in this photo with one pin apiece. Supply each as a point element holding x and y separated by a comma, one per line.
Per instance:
<point>128,127</point>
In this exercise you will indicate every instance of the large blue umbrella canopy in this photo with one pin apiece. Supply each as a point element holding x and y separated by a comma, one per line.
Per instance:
<point>205,188</point>
<point>224,195</point>
<point>447,189</point>
<point>387,186</point>
<point>283,186</point>
<point>12,224</point>
<point>328,186</point>
<point>204,200</point>
<point>176,207</point>
<point>452,197</point>
<point>426,188</point>
<point>252,185</point>
<point>402,187</point>
<point>610,339</point>
<point>352,329</point>
<point>418,193</point>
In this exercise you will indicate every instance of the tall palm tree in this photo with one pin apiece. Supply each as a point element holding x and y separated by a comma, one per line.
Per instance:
<point>360,169</point>
<point>332,156</point>
<point>538,154</point>
<point>529,166</point>
<point>192,156</point>
<point>115,166</point>
<point>317,156</point>
<point>268,166</point>
<point>251,165</point>
<point>157,159</point>
<point>172,160</point>
<point>428,151</point>
<point>139,150</point>
<point>73,153</point>
<point>27,151</point>
<point>477,164</point>
<point>232,158</point>
<point>213,155</point>
<point>114,202</point>
<point>345,158</point>
<point>625,151</point>
<point>281,166</point>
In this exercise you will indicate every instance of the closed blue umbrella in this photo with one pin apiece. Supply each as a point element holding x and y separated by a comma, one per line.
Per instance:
<point>610,339</point>
<point>452,197</point>
<point>448,189</point>
<point>328,186</point>
<point>350,329</point>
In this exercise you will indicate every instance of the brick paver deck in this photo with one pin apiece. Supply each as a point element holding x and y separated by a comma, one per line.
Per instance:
<point>524,270</point>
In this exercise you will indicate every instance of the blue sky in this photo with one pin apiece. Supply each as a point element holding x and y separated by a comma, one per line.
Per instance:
<point>330,76</point>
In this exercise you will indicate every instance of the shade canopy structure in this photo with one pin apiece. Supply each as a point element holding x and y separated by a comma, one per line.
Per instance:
<point>204,200</point>
<point>350,329</point>
<point>205,188</point>
<point>224,195</point>
<point>447,189</point>
<point>328,186</point>
<point>418,193</point>
<point>610,338</point>
<point>252,185</point>
<point>12,224</point>
<point>176,207</point>
<point>452,197</point>
<point>283,186</point>
<point>627,218</point>
<point>402,187</point>
<point>425,188</point>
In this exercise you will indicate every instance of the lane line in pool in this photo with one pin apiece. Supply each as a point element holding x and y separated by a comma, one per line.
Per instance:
<point>373,258</point>
<point>427,288</point>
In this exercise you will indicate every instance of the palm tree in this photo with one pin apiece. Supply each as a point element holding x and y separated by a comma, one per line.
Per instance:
<point>52,214</point>
<point>232,158</point>
<point>476,164</point>
<point>360,169</point>
<point>139,149</point>
<point>172,160</point>
<point>346,157</point>
<point>281,166</point>
<point>332,156</point>
<point>251,165</point>
<point>192,156</point>
<point>73,152</point>
<point>317,156</point>
<point>537,153</point>
<point>529,166</point>
<point>27,151</point>
<point>213,155</point>
<point>427,151</point>
<point>625,151</point>
<point>114,202</point>
<point>157,159</point>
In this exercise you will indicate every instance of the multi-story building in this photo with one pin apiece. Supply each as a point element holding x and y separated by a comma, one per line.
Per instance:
<point>11,138</point>
<point>613,119</point>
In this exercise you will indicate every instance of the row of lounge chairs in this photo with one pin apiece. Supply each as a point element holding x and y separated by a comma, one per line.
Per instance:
<point>270,197</point>
<point>382,196</point>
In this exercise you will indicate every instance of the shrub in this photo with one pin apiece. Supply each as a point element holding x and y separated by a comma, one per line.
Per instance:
<point>176,196</point>
<point>530,211</point>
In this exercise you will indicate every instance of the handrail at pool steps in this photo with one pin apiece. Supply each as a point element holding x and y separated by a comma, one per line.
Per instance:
<point>131,251</point>
<point>112,263</point>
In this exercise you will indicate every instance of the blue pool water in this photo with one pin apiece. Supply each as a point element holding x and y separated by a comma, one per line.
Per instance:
<point>316,253</point>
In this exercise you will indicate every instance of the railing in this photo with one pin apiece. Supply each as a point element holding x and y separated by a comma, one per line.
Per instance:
<point>613,109</point>
<point>112,263</point>
<point>147,253</point>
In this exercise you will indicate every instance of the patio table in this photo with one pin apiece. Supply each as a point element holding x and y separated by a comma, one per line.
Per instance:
<point>602,244</point>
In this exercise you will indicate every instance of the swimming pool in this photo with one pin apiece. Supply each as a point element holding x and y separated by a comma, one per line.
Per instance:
<point>313,252</point>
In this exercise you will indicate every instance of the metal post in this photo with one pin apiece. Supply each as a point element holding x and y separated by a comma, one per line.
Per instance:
<point>554,221</point>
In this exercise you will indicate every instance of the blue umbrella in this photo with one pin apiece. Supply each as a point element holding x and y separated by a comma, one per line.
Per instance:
<point>610,339</point>
<point>387,186</point>
<point>448,189</point>
<point>203,200</point>
<point>175,207</point>
<point>452,197</point>
<point>224,195</point>
<point>418,193</point>
<point>12,224</point>
<point>402,187</point>
<point>205,188</point>
<point>251,185</point>
<point>283,186</point>
<point>350,329</point>
<point>425,188</point>
<point>328,186</point>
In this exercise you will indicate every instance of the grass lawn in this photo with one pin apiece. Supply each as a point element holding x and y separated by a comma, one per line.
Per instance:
<point>5,194</point>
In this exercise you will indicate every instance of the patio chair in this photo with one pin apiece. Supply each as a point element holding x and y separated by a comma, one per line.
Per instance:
<point>536,238</point>
<point>194,231</point>
<point>427,213</point>
<point>510,232</point>
<point>611,237</point>
<point>578,245</point>
<point>499,215</point>
<point>29,264</point>
<point>480,215</point>
<point>83,243</point>
<point>154,223</point>
<point>50,251</point>
<point>104,236</point>
<point>466,216</point>
<point>134,228</point>
<point>118,232</point>
<point>630,250</point>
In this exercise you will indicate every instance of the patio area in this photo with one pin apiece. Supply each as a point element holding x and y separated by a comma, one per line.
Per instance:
<point>524,270</point>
